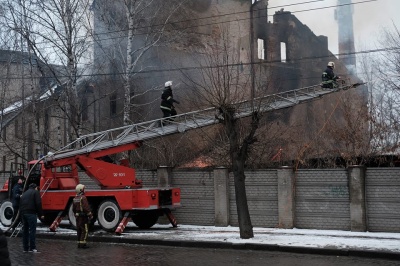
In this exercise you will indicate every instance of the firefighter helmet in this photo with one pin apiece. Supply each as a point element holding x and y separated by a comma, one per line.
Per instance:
<point>80,188</point>
<point>331,64</point>
<point>168,84</point>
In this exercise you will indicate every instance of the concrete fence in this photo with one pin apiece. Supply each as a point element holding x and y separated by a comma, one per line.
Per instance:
<point>356,198</point>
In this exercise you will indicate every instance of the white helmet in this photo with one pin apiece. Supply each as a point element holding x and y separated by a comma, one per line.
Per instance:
<point>168,84</point>
<point>80,188</point>
<point>331,64</point>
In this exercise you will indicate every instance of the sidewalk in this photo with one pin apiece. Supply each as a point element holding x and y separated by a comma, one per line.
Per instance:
<point>327,242</point>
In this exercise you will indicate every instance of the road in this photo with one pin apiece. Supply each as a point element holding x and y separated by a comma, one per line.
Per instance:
<point>62,252</point>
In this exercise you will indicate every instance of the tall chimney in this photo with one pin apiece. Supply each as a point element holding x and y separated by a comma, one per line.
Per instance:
<point>344,17</point>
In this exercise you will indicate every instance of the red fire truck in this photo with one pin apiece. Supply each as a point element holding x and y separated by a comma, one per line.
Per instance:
<point>121,196</point>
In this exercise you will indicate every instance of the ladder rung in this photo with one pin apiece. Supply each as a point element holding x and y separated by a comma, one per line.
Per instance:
<point>17,229</point>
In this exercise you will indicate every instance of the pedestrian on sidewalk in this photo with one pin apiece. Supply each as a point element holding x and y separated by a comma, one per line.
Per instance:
<point>15,197</point>
<point>83,215</point>
<point>30,207</point>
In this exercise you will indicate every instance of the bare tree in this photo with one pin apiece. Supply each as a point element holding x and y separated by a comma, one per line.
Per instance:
<point>381,71</point>
<point>221,84</point>
<point>55,33</point>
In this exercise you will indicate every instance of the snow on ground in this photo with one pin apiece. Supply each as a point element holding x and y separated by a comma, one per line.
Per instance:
<point>333,239</point>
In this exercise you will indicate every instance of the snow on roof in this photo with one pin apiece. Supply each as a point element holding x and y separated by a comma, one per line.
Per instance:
<point>18,104</point>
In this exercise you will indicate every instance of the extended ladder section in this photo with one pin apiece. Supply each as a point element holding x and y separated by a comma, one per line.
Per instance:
<point>191,120</point>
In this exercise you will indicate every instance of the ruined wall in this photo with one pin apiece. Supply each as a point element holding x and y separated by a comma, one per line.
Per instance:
<point>198,23</point>
<point>305,59</point>
<point>201,22</point>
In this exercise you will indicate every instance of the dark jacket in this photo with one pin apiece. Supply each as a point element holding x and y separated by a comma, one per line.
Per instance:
<point>328,75</point>
<point>167,99</point>
<point>16,194</point>
<point>31,202</point>
<point>4,254</point>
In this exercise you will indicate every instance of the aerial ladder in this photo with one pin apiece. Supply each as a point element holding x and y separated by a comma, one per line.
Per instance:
<point>121,197</point>
<point>148,130</point>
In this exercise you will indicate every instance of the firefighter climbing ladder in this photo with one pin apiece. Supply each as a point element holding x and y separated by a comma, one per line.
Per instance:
<point>191,120</point>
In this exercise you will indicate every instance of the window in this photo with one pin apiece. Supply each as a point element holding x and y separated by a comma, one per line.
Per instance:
<point>283,52</point>
<point>261,50</point>
<point>113,104</point>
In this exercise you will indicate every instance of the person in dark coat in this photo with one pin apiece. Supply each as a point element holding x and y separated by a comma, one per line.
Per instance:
<point>4,253</point>
<point>30,207</point>
<point>83,215</point>
<point>167,101</point>
<point>15,197</point>
<point>329,79</point>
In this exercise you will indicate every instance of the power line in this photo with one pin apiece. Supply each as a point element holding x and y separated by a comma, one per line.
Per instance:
<point>211,17</point>
<point>211,23</point>
<point>236,13</point>
<point>179,69</point>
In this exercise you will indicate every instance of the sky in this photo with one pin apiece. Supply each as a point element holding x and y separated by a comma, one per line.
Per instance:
<point>369,18</point>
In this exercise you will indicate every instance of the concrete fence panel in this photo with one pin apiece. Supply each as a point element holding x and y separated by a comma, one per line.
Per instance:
<point>197,197</point>
<point>383,199</point>
<point>262,198</point>
<point>356,199</point>
<point>322,199</point>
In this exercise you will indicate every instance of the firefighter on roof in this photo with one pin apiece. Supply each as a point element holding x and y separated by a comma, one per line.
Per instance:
<point>329,79</point>
<point>83,214</point>
<point>167,101</point>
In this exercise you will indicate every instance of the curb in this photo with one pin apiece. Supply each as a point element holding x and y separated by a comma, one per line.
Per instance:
<point>228,245</point>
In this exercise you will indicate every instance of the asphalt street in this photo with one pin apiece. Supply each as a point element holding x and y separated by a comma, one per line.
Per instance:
<point>322,242</point>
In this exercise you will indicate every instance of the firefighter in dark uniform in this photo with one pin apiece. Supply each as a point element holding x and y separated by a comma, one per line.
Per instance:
<point>329,79</point>
<point>83,214</point>
<point>167,101</point>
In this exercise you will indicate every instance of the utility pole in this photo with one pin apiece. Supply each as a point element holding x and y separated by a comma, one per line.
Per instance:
<point>252,44</point>
<point>21,26</point>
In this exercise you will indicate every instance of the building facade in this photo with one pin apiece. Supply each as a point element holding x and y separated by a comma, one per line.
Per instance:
<point>278,55</point>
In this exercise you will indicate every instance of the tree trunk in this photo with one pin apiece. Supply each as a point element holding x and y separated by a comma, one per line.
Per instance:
<point>129,62</point>
<point>245,226</point>
<point>238,159</point>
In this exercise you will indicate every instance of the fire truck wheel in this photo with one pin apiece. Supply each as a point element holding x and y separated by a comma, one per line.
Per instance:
<point>109,215</point>
<point>145,219</point>
<point>6,212</point>
<point>71,217</point>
